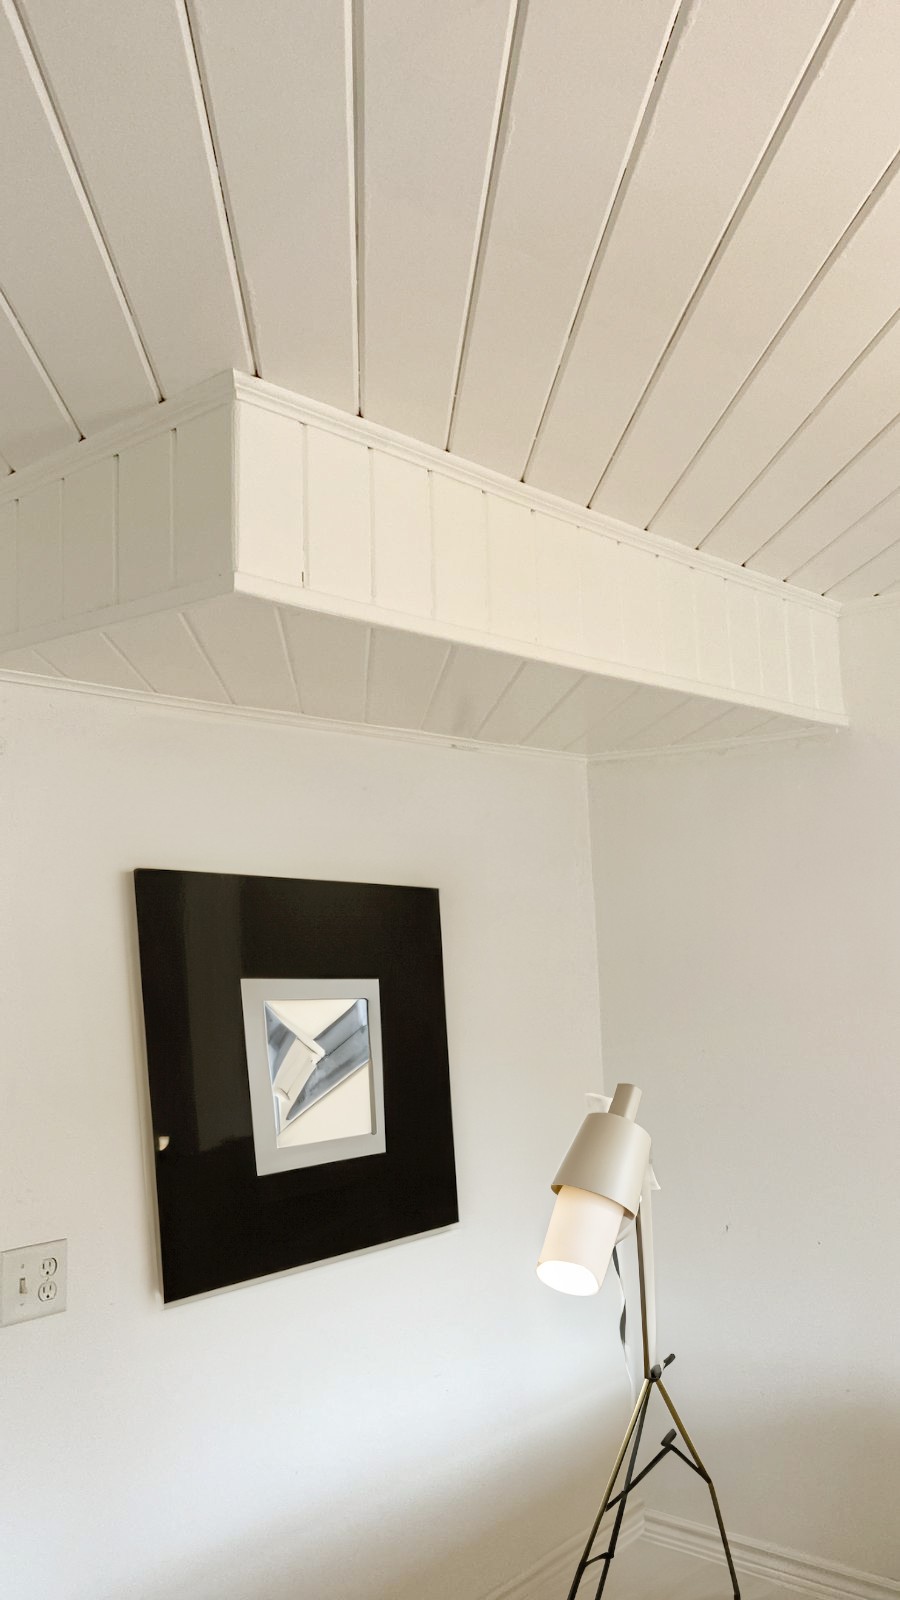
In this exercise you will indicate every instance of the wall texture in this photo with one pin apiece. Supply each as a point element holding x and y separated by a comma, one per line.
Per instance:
<point>748,910</point>
<point>426,1419</point>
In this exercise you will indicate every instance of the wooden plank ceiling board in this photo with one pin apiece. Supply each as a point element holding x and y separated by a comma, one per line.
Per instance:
<point>728,74</point>
<point>862,484</point>
<point>54,267</point>
<point>92,658</point>
<point>849,418</point>
<point>681,722</point>
<point>856,547</point>
<point>243,640</point>
<point>555,181</point>
<point>841,133</point>
<point>431,85</point>
<point>404,669</point>
<point>164,651</point>
<point>876,577</point>
<point>640,711</point>
<point>850,306</point>
<point>278,84</point>
<point>125,82</point>
<point>33,420</point>
<point>468,689</point>
<point>575,722</point>
<point>330,658</point>
<point>527,700</point>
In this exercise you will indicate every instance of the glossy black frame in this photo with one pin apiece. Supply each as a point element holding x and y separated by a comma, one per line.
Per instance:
<point>199,933</point>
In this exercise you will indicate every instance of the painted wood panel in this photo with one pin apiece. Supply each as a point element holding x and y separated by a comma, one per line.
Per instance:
<point>555,181</point>
<point>743,636</point>
<point>9,605</point>
<point>489,562</point>
<point>89,537</point>
<point>631,716</point>
<point>244,642</point>
<point>737,722</point>
<point>30,662</point>
<point>468,690</point>
<point>338,531</point>
<point>846,308</point>
<point>843,132</point>
<point>431,82</point>
<point>150,175</point>
<point>771,614</point>
<point>270,495</point>
<point>679,623</point>
<point>164,650</point>
<point>403,673</point>
<point>330,659</point>
<point>280,101</point>
<point>33,419</point>
<point>528,699</point>
<point>204,516</point>
<point>601,603</point>
<point>710,607</point>
<point>401,535</point>
<point>55,268</point>
<point>512,569</point>
<point>642,630</point>
<point>459,533</point>
<point>146,530</point>
<point>863,483</point>
<point>726,79</point>
<point>854,549</point>
<point>39,556</point>
<point>876,577</point>
<point>683,721</point>
<point>93,658</point>
<point>760,529</point>
<point>559,570</point>
<point>573,723</point>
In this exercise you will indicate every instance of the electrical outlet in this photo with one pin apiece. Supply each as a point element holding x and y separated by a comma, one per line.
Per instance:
<point>32,1281</point>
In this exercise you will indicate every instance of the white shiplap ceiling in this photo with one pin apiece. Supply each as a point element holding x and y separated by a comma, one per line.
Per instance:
<point>643,255</point>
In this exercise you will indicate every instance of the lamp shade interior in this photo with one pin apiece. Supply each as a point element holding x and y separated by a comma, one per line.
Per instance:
<point>580,1240</point>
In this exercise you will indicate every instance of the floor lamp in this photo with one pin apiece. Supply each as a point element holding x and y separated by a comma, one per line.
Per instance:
<point>600,1188</point>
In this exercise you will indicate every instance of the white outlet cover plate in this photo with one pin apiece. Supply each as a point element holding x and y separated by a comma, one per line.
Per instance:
<point>33,1281</point>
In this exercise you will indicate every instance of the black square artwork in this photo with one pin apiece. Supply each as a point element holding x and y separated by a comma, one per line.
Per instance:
<point>202,933</point>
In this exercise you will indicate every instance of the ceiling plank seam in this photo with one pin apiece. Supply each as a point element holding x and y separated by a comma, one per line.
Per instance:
<point>44,91</point>
<point>219,181</point>
<point>513,44</point>
<point>864,211</point>
<point>639,133</point>
<point>806,78</point>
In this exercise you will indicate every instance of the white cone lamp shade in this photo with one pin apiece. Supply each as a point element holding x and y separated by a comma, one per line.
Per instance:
<point>598,1184</point>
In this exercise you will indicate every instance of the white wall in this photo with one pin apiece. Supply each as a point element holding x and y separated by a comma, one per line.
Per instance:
<point>748,910</point>
<point>447,1418</point>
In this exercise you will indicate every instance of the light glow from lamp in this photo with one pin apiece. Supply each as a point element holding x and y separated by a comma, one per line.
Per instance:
<point>580,1239</point>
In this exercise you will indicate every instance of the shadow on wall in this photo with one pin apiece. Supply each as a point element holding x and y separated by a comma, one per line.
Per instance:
<point>479,1525</point>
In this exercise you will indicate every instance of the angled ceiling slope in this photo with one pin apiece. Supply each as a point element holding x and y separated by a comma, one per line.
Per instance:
<point>642,257</point>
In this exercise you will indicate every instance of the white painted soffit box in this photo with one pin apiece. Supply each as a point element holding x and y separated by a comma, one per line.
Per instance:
<point>243,546</point>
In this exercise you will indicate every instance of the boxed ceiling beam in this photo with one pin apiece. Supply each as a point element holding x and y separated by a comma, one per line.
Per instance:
<point>243,490</point>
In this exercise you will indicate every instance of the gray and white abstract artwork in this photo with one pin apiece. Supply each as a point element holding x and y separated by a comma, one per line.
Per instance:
<point>320,1063</point>
<point>314,1060</point>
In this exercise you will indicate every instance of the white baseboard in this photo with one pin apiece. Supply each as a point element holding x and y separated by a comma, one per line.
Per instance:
<point>548,1578</point>
<point>822,1579</point>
